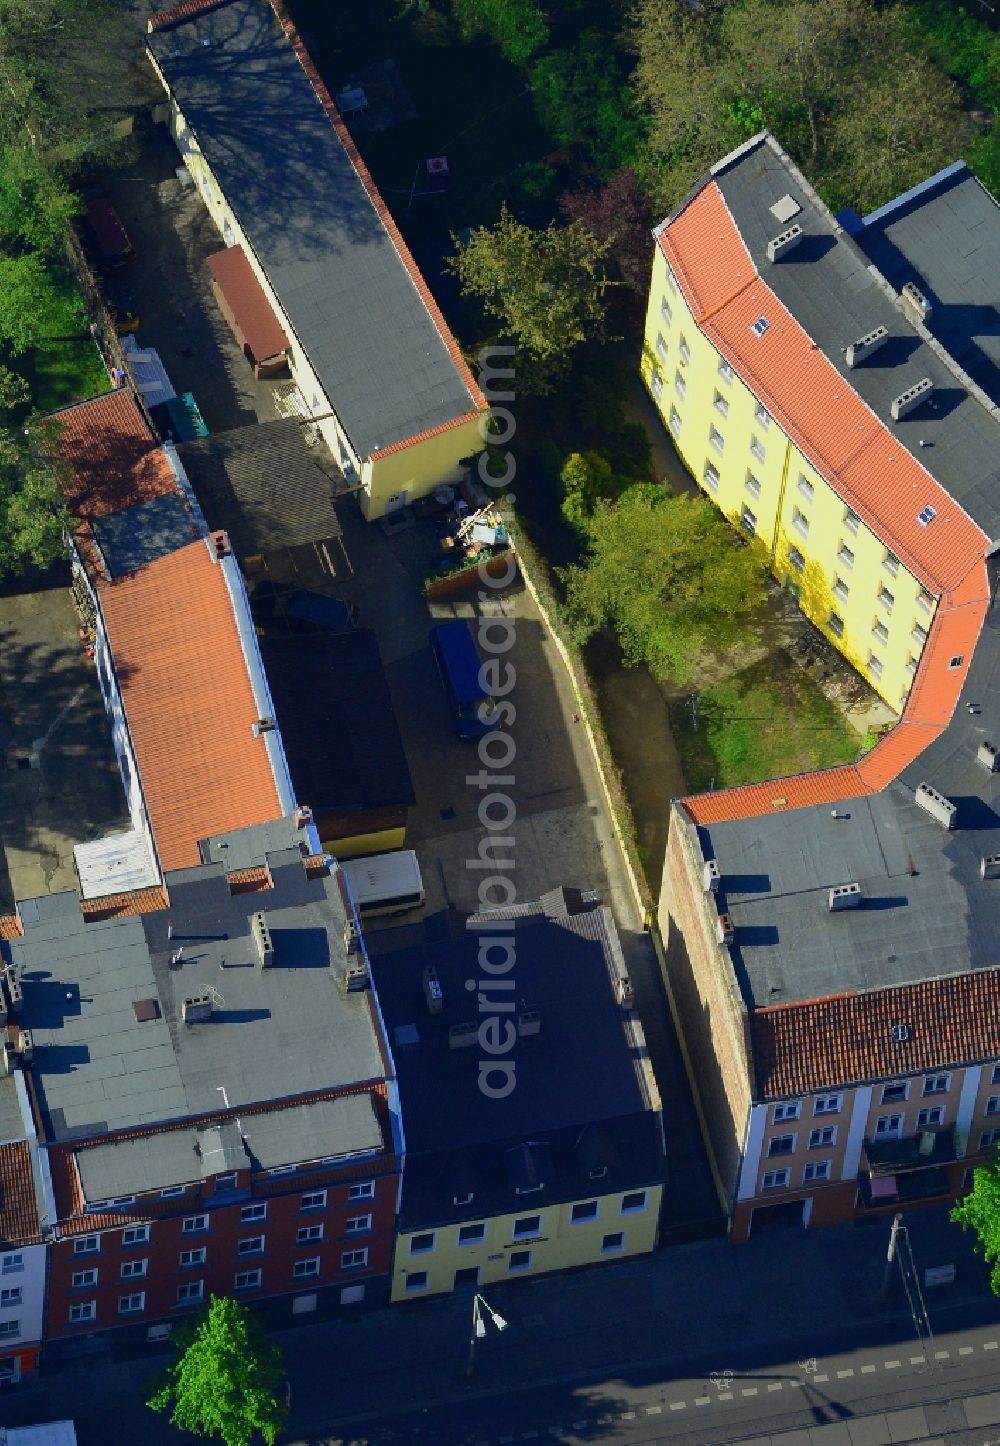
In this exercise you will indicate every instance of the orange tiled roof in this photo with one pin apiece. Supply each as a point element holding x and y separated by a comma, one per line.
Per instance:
<point>10,927</point>
<point>110,459</point>
<point>188,701</point>
<point>118,906</point>
<point>250,881</point>
<point>847,1038</point>
<point>19,1220</point>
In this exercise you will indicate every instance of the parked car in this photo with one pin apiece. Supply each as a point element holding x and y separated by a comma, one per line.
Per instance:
<point>104,230</point>
<point>473,708</point>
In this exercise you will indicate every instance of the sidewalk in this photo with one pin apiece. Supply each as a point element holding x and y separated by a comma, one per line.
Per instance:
<point>693,1309</point>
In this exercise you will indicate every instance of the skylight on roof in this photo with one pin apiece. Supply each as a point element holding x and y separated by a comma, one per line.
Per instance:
<point>926,515</point>
<point>760,326</point>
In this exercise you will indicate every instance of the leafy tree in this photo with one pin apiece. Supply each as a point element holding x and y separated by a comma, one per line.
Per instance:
<point>980,1211</point>
<point>580,94</point>
<point>619,213</point>
<point>546,288</point>
<point>35,204</point>
<point>517,26</point>
<point>227,1380</point>
<point>34,305</point>
<point>32,515</point>
<point>585,477</point>
<point>669,574</point>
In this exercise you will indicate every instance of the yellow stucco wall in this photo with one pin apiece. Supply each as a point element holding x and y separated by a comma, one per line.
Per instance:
<point>398,477</point>
<point>360,845</point>
<point>559,1244</point>
<point>833,564</point>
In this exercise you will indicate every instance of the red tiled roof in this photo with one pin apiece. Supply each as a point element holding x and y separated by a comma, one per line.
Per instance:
<point>250,881</point>
<point>11,927</point>
<point>189,703</point>
<point>105,456</point>
<point>184,11</point>
<point>847,1038</point>
<point>248,302</point>
<point>19,1218</point>
<point>118,906</point>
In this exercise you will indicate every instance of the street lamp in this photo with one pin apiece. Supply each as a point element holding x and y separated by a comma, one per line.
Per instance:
<point>479,1308</point>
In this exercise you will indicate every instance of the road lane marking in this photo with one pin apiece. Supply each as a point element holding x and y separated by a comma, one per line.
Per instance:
<point>653,1410</point>
<point>918,1360</point>
<point>677,1405</point>
<point>702,1400</point>
<point>941,1355</point>
<point>774,1386</point>
<point>893,1365</point>
<point>990,1345</point>
<point>868,1370</point>
<point>819,1377</point>
<point>725,1395</point>
<point>966,1350</point>
<point>842,1375</point>
<point>749,1390</point>
<point>628,1416</point>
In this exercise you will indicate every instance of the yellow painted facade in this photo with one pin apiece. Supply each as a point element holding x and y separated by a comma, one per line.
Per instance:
<point>386,483</point>
<point>360,845</point>
<point>843,577</point>
<point>534,1241</point>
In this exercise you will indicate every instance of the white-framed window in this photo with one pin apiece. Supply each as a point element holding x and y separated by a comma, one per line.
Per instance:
<point>227,1181</point>
<point>776,1179</point>
<point>82,1311</point>
<point>10,1296</point>
<point>135,1235</point>
<point>995,1076</point>
<point>680,386</point>
<point>875,665</point>
<point>795,559</point>
<point>10,1264</point>
<point>584,1210</point>
<point>633,1202</point>
<point>191,1224</point>
<point>748,521</point>
<point>675,421</point>
<point>423,1243</point>
<point>910,665</point>
<point>716,439</point>
<point>247,1279</point>
<point>880,631</point>
<point>528,1225</point>
<point>308,1233</point>
<point>354,1259</point>
<point>188,1258</point>
<point>896,1092</point>
<point>361,1190</point>
<point>886,599</point>
<point>251,1245</point>
<point>851,519</point>
<point>816,1170</point>
<point>416,1281</point>
<point>518,1260</point>
<point>132,1304</point>
<point>657,382</point>
<point>891,563</point>
<point>840,589</point>
<point>290,1169</point>
<point>306,1269</point>
<point>932,1115</point>
<point>721,404</point>
<point>926,515</point>
<point>134,1269</point>
<point>614,1243</point>
<point>9,1328</point>
<point>661,346</point>
<point>170,1192</point>
<point>684,350</point>
<point>993,1105</point>
<point>112,1202</point>
<point>250,1213</point>
<point>925,600</point>
<point>806,489</point>
<point>988,1139</point>
<point>760,326</point>
<point>800,522</point>
<point>752,484</point>
<point>889,1127</point>
<point>665,311</point>
<point>672,280</point>
<point>84,1278</point>
<point>190,1291</point>
<point>836,625</point>
<point>87,1245</point>
<point>937,1084</point>
<point>780,1145</point>
<point>357,1224</point>
<point>822,1136</point>
<point>472,1234</point>
<point>828,1105</point>
<point>316,1200</point>
<point>711,477</point>
<point>845,556</point>
<point>757,448</point>
<point>789,1110</point>
<point>919,635</point>
<point>725,370</point>
<point>762,415</point>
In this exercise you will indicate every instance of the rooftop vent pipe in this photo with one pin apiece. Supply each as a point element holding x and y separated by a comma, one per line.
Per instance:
<point>912,397</point>
<point>784,243</point>
<point>866,345</point>
<point>844,896</point>
<point>941,809</point>
<point>916,307</point>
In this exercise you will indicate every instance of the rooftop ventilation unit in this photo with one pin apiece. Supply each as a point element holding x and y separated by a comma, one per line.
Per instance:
<point>785,208</point>
<point>262,941</point>
<point>262,725</point>
<point>844,896</point>
<point>941,809</point>
<point>987,755</point>
<point>784,243</point>
<point>352,935</point>
<point>27,1050</point>
<point>866,345</point>
<point>710,877</point>
<point>462,1036</point>
<point>6,1058</point>
<point>529,1023</point>
<point>912,397</point>
<point>3,1009</point>
<point>197,1008</point>
<point>14,991</point>
<point>916,307</point>
<point>724,930</point>
<point>355,975</point>
<point>433,993</point>
<point>989,866</point>
<point>624,991</point>
<point>221,544</point>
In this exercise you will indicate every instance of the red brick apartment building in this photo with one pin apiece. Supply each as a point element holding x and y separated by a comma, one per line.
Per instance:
<point>832,939</point>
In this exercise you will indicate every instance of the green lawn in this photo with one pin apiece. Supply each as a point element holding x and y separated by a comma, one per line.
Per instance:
<point>68,368</point>
<point>766,722</point>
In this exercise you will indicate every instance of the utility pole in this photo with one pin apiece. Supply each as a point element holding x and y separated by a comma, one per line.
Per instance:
<point>890,1255</point>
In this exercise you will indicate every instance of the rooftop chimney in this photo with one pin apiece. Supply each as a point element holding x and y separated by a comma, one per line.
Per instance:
<point>725,932</point>
<point>433,993</point>
<point>262,725</point>
<point>529,1022</point>
<point>784,243</point>
<point>462,1036</point>
<point>914,303</point>
<point>261,936</point>
<point>220,543</point>
<point>197,1008</point>
<point>355,975</point>
<point>941,809</point>
<point>27,1049</point>
<point>866,345</point>
<point>987,755</point>
<point>710,876</point>
<point>844,896</point>
<point>912,397</point>
<point>989,866</point>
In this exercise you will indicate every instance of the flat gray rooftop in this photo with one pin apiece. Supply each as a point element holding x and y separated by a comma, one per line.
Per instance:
<point>290,182</point>
<point>827,285</point>
<point>273,1034</point>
